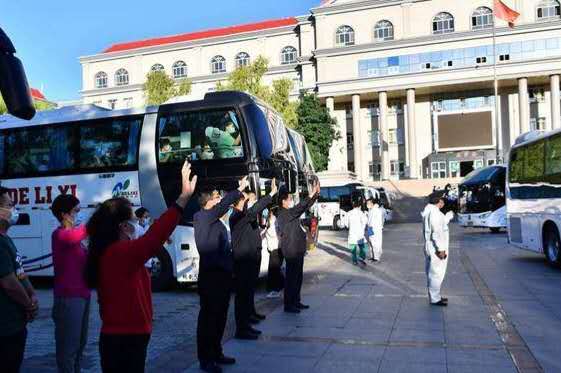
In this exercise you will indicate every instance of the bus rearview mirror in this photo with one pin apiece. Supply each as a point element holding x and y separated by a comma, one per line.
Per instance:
<point>14,87</point>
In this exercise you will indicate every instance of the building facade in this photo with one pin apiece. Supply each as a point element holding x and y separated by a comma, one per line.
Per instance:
<point>411,82</point>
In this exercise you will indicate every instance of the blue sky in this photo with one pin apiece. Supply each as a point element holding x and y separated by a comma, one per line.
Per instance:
<point>50,35</point>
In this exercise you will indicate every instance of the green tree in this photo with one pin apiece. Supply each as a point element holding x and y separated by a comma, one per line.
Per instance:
<point>159,87</point>
<point>318,128</point>
<point>249,79</point>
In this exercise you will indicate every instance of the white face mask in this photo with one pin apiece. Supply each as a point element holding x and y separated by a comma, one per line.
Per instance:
<point>231,130</point>
<point>138,231</point>
<point>14,215</point>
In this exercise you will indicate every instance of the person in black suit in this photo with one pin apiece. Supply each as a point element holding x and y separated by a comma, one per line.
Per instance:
<point>292,243</point>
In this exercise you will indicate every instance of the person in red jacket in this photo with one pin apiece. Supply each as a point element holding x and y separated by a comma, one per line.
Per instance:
<point>115,267</point>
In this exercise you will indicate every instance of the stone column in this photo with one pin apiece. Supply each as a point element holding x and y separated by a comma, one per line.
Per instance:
<point>412,135</point>
<point>555,102</point>
<point>357,143</point>
<point>383,122</point>
<point>338,150</point>
<point>523,105</point>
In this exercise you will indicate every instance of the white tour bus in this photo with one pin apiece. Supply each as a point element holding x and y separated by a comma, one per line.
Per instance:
<point>481,199</point>
<point>96,154</point>
<point>534,194</point>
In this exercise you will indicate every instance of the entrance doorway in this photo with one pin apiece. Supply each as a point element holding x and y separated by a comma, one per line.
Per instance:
<point>466,167</point>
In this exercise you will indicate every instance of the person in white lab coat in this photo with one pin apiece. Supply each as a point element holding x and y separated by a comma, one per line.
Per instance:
<point>436,234</point>
<point>374,229</point>
<point>356,220</point>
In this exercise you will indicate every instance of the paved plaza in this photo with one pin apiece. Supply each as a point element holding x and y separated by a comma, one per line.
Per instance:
<point>505,307</point>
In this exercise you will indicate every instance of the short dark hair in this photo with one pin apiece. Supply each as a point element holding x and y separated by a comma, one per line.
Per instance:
<point>435,199</point>
<point>63,204</point>
<point>140,212</point>
<point>283,195</point>
<point>204,197</point>
<point>164,142</point>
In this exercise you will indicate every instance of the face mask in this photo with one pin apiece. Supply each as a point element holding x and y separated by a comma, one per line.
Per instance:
<point>250,204</point>
<point>291,204</point>
<point>13,215</point>
<point>231,130</point>
<point>138,231</point>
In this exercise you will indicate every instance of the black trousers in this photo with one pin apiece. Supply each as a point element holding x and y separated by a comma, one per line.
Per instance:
<point>214,292</point>
<point>12,348</point>
<point>256,272</point>
<point>275,277</point>
<point>123,352</point>
<point>244,280</point>
<point>294,277</point>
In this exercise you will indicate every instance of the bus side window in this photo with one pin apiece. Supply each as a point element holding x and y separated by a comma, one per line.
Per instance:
<point>39,150</point>
<point>112,143</point>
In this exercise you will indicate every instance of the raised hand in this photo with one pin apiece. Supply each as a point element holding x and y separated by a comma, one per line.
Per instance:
<point>188,185</point>
<point>243,183</point>
<point>274,189</point>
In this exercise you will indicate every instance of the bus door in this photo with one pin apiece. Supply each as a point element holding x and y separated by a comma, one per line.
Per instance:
<point>28,238</point>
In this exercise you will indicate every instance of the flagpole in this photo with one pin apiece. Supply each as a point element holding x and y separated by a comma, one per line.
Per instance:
<point>496,86</point>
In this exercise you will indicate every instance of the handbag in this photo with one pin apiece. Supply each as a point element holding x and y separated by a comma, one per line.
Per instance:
<point>369,231</point>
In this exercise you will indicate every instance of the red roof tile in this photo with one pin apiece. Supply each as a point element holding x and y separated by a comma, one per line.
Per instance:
<point>37,94</point>
<point>232,30</point>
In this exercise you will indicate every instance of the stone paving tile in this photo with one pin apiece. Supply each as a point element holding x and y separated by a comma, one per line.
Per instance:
<point>354,352</point>
<point>417,355</point>
<point>480,369</point>
<point>373,336</point>
<point>346,366</point>
<point>390,366</point>
<point>476,357</point>
<point>417,335</point>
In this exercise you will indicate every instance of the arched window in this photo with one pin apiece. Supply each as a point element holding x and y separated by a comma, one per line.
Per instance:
<point>443,23</point>
<point>482,18</point>
<point>548,10</point>
<point>383,31</point>
<point>242,59</point>
<point>179,70</point>
<point>345,35</point>
<point>218,65</point>
<point>101,80</point>
<point>288,55</point>
<point>121,77</point>
<point>157,67</point>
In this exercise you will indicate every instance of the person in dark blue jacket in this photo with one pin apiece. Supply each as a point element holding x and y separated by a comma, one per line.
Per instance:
<point>215,276</point>
<point>292,243</point>
<point>247,246</point>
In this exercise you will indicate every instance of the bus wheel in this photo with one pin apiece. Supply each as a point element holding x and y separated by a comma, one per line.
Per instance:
<point>161,272</point>
<point>495,230</point>
<point>552,247</point>
<point>336,221</point>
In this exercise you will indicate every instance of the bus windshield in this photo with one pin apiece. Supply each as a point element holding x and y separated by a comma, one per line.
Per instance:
<point>199,135</point>
<point>482,175</point>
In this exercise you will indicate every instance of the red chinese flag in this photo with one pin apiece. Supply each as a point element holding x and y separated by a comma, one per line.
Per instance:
<point>505,13</point>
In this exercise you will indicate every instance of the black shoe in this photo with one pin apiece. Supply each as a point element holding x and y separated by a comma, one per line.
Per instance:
<point>291,310</point>
<point>373,260</point>
<point>254,331</point>
<point>301,306</point>
<point>210,367</point>
<point>259,316</point>
<point>225,360</point>
<point>440,303</point>
<point>246,335</point>
<point>254,320</point>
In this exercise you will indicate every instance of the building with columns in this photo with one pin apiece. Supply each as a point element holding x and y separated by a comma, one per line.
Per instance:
<point>411,82</point>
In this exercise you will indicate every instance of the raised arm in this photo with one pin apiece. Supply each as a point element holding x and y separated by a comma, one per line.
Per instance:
<point>147,246</point>
<point>303,206</point>
<point>222,208</point>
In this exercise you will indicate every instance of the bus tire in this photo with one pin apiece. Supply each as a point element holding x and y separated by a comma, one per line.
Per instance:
<point>552,246</point>
<point>495,230</point>
<point>161,272</point>
<point>336,220</point>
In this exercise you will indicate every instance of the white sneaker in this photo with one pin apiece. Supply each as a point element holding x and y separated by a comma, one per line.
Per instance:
<point>273,294</point>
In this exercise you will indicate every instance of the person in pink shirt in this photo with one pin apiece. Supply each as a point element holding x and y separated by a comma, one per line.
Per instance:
<point>71,306</point>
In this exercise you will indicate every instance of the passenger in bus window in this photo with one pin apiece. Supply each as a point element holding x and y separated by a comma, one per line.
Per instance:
<point>212,239</point>
<point>71,305</point>
<point>166,150</point>
<point>115,267</point>
<point>18,302</point>
<point>225,142</point>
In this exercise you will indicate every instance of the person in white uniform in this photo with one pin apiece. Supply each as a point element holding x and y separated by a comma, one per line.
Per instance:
<point>356,220</point>
<point>374,229</point>
<point>436,234</point>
